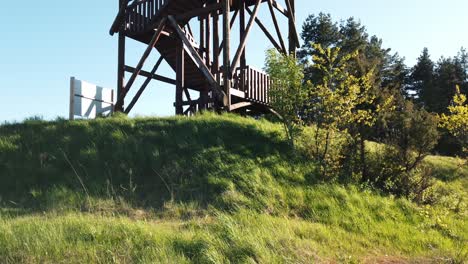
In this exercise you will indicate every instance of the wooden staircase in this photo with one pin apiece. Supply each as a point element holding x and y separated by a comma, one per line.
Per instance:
<point>141,20</point>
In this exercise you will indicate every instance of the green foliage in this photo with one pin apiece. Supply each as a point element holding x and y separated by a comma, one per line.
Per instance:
<point>338,103</point>
<point>287,94</point>
<point>411,136</point>
<point>457,121</point>
<point>337,97</point>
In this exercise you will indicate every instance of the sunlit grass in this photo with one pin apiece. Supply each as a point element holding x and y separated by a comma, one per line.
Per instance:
<point>207,189</point>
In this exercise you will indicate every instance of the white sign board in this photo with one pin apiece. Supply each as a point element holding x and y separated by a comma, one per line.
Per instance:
<point>88,100</point>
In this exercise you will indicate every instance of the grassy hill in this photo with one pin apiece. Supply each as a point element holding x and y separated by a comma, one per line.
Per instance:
<point>207,189</point>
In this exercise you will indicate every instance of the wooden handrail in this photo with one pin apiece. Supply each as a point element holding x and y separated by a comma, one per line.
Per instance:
<point>141,13</point>
<point>256,84</point>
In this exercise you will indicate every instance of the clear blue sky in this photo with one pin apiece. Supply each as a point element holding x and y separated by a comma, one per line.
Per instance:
<point>43,43</point>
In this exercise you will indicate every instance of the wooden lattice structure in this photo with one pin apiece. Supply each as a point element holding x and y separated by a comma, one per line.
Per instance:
<point>202,63</point>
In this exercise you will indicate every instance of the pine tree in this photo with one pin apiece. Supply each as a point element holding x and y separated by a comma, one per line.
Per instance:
<point>317,29</point>
<point>422,79</point>
<point>395,74</point>
<point>448,74</point>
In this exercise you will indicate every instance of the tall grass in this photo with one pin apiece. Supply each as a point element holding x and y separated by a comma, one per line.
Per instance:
<point>209,189</point>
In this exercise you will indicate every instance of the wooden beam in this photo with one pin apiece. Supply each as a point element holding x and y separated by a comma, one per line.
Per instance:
<point>237,93</point>
<point>227,49</point>
<point>275,22</point>
<point>154,76</point>
<point>216,52</point>
<point>180,77</point>
<point>147,52</point>
<point>239,105</point>
<point>243,41</point>
<point>243,60</point>
<point>202,37</point>
<point>281,9</point>
<point>198,60</point>
<point>192,102</point>
<point>121,66</point>
<point>266,32</point>
<point>189,98</point>
<point>202,11</point>
<point>143,87</point>
<point>293,35</point>
<point>117,24</point>
<point>208,41</point>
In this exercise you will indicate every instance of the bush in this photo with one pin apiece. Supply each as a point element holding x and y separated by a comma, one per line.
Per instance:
<point>411,136</point>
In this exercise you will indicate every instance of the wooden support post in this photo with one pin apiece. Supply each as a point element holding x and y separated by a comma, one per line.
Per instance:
<point>203,101</point>
<point>233,20</point>
<point>293,36</point>
<point>215,67</point>
<point>227,50</point>
<point>121,61</point>
<point>243,60</point>
<point>72,98</point>
<point>208,40</point>
<point>202,37</point>
<point>180,78</point>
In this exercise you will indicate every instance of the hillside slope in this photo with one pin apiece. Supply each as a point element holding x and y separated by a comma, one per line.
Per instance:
<point>207,189</point>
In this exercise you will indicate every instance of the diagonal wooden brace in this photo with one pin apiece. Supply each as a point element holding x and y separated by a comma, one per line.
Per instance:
<point>143,87</point>
<point>148,50</point>
<point>243,41</point>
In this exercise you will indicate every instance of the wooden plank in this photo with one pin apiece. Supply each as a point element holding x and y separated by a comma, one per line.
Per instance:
<point>202,11</point>
<point>154,76</point>
<point>243,41</point>
<point>239,105</point>
<point>237,93</point>
<point>192,102</point>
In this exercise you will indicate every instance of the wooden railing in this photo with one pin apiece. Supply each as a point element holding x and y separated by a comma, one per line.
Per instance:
<point>141,13</point>
<point>256,84</point>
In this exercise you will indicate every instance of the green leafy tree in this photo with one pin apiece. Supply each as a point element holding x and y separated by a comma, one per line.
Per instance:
<point>288,94</point>
<point>337,100</point>
<point>456,122</point>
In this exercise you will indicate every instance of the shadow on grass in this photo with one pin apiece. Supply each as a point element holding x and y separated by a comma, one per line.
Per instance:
<point>207,159</point>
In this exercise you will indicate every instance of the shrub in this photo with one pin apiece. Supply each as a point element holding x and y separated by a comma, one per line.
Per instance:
<point>411,136</point>
<point>287,93</point>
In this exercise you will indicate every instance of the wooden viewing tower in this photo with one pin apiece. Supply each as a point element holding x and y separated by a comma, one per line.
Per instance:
<point>202,63</point>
